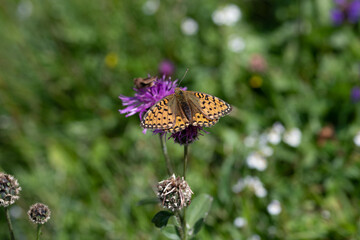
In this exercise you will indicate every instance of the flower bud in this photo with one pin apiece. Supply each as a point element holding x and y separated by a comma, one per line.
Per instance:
<point>39,213</point>
<point>9,190</point>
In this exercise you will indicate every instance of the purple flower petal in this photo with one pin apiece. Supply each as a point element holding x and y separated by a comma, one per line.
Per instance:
<point>354,11</point>
<point>144,98</point>
<point>337,16</point>
<point>355,94</point>
<point>188,135</point>
<point>166,68</point>
<point>340,3</point>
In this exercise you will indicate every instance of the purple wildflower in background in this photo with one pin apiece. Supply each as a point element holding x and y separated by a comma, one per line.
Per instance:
<point>346,10</point>
<point>355,94</point>
<point>337,16</point>
<point>166,68</point>
<point>354,11</point>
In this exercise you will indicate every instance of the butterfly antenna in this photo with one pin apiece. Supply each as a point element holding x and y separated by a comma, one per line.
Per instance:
<point>184,75</point>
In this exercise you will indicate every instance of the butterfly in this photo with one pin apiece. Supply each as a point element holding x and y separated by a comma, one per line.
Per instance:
<point>183,108</point>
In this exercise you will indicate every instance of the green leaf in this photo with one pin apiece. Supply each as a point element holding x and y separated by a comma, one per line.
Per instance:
<point>161,218</point>
<point>198,225</point>
<point>198,209</point>
<point>170,232</point>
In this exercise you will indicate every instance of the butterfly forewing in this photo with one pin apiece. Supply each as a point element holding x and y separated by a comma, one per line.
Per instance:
<point>161,115</point>
<point>212,107</point>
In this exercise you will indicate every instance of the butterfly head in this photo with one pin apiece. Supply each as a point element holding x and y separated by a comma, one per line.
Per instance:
<point>178,92</point>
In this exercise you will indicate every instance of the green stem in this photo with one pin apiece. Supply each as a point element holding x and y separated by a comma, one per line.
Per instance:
<point>183,218</point>
<point>166,155</point>
<point>184,224</point>
<point>181,226</point>
<point>186,156</point>
<point>38,232</point>
<point>12,237</point>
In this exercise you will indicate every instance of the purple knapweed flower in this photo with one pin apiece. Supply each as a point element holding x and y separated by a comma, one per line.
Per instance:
<point>166,68</point>
<point>346,10</point>
<point>188,135</point>
<point>355,94</point>
<point>354,11</point>
<point>146,96</point>
<point>337,16</point>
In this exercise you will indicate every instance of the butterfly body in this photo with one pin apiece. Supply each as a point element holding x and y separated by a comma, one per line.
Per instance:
<point>183,108</point>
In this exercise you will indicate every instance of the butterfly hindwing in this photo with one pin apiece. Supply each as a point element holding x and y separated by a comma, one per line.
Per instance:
<point>211,106</point>
<point>200,120</point>
<point>160,115</point>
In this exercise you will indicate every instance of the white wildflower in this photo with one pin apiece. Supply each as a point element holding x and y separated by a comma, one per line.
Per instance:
<point>267,151</point>
<point>253,183</point>
<point>189,26</point>
<point>274,135</point>
<point>240,222</point>
<point>250,141</point>
<point>357,139</point>
<point>254,237</point>
<point>278,127</point>
<point>228,15</point>
<point>263,139</point>
<point>274,208</point>
<point>239,186</point>
<point>150,7</point>
<point>256,161</point>
<point>260,191</point>
<point>293,137</point>
<point>236,44</point>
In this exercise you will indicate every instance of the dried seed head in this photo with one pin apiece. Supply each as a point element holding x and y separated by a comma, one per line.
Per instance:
<point>9,190</point>
<point>39,213</point>
<point>174,193</point>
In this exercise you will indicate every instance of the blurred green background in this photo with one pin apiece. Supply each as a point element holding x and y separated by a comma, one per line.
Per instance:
<point>63,65</point>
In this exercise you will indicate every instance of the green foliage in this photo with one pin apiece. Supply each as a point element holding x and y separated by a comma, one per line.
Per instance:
<point>161,218</point>
<point>64,64</point>
<point>197,212</point>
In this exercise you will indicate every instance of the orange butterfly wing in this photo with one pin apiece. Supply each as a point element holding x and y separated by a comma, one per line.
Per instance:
<point>212,107</point>
<point>160,115</point>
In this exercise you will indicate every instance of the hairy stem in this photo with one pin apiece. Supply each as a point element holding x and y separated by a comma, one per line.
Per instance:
<point>12,236</point>
<point>166,155</point>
